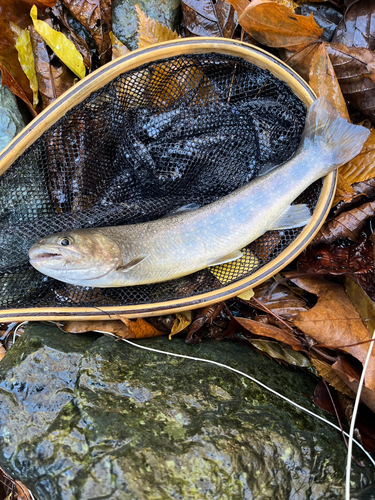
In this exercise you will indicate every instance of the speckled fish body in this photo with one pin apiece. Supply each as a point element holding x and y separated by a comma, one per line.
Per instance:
<point>186,242</point>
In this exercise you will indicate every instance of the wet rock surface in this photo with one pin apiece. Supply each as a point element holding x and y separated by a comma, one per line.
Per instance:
<point>11,121</point>
<point>125,18</point>
<point>86,417</point>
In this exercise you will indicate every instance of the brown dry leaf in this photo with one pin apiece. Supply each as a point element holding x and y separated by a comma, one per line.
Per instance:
<point>367,394</point>
<point>362,167</point>
<point>208,18</point>
<point>2,351</point>
<point>344,191</point>
<point>52,81</point>
<point>266,330</point>
<point>363,304</point>
<point>150,31</point>
<point>330,375</point>
<point>355,71</point>
<point>357,29</point>
<point>19,14</point>
<point>323,81</point>
<point>96,17</point>
<point>182,321</point>
<point>13,488</point>
<point>334,322</point>
<point>287,354</point>
<point>353,259</point>
<point>283,301</point>
<point>60,12</point>
<point>118,48</point>
<point>346,225</point>
<point>10,82</point>
<point>140,329</point>
<point>274,25</point>
<point>116,327</point>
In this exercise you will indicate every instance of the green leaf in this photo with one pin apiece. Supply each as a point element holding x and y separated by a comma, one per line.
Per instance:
<point>26,58</point>
<point>62,47</point>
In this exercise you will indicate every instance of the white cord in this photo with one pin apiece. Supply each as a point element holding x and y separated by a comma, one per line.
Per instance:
<point>354,416</point>
<point>253,380</point>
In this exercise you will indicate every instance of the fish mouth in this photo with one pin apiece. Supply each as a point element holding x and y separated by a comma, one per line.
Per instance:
<point>42,256</point>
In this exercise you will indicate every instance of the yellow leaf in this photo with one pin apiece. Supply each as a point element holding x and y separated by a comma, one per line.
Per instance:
<point>362,167</point>
<point>183,319</point>
<point>151,31</point>
<point>26,58</point>
<point>246,295</point>
<point>118,48</point>
<point>322,79</point>
<point>61,46</point>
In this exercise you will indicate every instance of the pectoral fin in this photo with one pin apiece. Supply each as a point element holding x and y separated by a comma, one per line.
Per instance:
<point>294,216</point>
<point>130,265</point>
<point>180,210</point>
<point>227,258</point>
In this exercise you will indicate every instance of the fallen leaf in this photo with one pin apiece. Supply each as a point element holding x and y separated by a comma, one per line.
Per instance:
<point>322,79</point>
<point>337,259</point>
<point>287,354</point>
<point>367,394</point>
<point>361,167</point>
<point>2,351</point>
<point>355,71</point>
<point>182,321</point>
<point>357,29</point>
<point>282,302</point>
<point>60,13</point>
<point>362,303</point>
<point>118,48</point>
<point>366,188</point>
<point>346,225</point>
<point>208,18</point>
<point>334,322</point>
<point>330,375</point>
<point>18,13</point>
<point>266,330</point>
<point>246,295</point>
<point>96,17</point>
<point>326,16</point>
<point>10,82</point>
<point>52,81</point>
<point>344,191</point>
<point>150,31</point>
<point>275,25</point>
<point>140,329</point>
<point>204,315</point>
<point>61,46</point>
<point>116,327</point>
<point>26,58</point>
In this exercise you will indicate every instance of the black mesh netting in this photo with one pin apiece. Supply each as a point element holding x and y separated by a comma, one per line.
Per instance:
<point>188,129</point>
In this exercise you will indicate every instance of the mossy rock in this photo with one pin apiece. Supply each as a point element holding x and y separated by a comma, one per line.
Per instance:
<point>87,417</point>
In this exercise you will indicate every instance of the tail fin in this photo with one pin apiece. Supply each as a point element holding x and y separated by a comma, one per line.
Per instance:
<point>332,135</point>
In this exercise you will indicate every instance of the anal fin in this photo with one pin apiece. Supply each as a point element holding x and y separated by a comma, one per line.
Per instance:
<point>293,216</point>
<point>226,258</point>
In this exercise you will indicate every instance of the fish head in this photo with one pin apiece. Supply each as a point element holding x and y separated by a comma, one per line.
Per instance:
<point>76,257</point>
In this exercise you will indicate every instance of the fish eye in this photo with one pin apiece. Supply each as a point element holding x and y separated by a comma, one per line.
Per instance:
<point>65,242</point>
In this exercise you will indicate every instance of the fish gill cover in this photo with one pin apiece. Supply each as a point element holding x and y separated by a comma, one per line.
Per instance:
<point>188,129</point>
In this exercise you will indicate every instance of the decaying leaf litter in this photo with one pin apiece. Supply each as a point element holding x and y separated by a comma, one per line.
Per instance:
<point>318,314</point>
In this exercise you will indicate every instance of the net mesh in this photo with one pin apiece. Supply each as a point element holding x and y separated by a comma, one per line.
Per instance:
<point>187,129</point>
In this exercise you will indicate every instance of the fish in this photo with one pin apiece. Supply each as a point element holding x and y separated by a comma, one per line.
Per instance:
<point>192,239</point>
